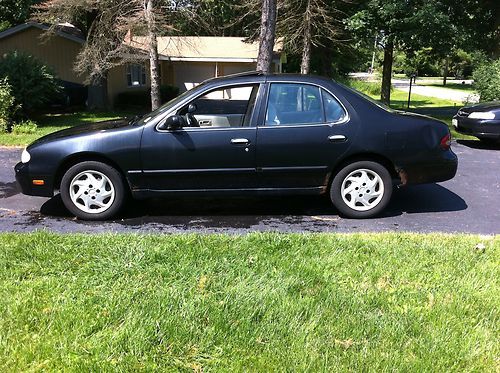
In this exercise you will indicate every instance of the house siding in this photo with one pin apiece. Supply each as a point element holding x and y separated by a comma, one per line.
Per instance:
<point>55,51</point>
<point>117,82</point>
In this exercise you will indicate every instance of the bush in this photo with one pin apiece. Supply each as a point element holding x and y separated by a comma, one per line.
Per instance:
<point>25,127</point>
<point>134,98</point>
<point>487,80</point>
<point>142,98</point>
<point>366,87</point>
<point>168,92</point>
<point>6,105</point>
<point>33,83</point>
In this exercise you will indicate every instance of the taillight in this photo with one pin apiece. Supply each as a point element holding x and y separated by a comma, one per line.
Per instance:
<point>445,142</point>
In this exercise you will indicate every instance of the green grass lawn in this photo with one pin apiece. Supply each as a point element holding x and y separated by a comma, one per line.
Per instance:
<point>49,123</point>
<point>259,302</point>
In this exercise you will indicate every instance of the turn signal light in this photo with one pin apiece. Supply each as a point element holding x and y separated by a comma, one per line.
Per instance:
<point>445,142</point>
<point>38,182</point>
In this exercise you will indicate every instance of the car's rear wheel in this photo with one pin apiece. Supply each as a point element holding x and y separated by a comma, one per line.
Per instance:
<point>92,190</point>
<point>361,189</point>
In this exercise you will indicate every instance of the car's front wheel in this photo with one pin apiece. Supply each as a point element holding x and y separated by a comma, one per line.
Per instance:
<point>92,190</point>
<point>361,189</point>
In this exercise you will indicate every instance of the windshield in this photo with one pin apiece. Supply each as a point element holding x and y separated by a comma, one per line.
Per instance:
<point>166,106</point>
<point>365,96</point>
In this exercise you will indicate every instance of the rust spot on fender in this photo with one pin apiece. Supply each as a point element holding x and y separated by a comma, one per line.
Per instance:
<point>403,176</point>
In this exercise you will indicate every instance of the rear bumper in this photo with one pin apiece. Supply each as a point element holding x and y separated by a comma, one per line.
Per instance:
<point>25,180</point>
<point>488,129</point>
<point>441,169</point>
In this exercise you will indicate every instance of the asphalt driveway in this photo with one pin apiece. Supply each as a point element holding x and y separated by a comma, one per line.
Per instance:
<point>469,203</point>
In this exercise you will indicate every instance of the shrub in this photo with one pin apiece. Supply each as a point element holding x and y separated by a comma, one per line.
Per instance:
<point>487,80</point>
<point>24,127</point>
<point>33,83</point>
<point>133,98</point>
<point>168,92</point>
<point>366,87</point>
<point>6,105</point>
<point>142,98</point>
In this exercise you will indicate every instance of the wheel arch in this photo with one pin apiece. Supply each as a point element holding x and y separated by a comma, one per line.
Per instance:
<point>76,158</point>
<point>367,156</point>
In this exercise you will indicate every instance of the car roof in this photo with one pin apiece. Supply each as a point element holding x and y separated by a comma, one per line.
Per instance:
<point>259,77</point>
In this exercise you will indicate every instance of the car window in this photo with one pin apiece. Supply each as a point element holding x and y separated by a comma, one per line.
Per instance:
<point>223,107</point>
<point>290,103</point>
<point>368,98</point>
<point>166,106</point>
<point>334,112</point>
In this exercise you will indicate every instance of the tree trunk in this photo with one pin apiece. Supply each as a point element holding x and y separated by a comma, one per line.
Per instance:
<point>385,94</point>
<point>267,36</point>
<point>154,65</point>
<point>306,47</point>
<point>445,71</point>
<point>326,60</point>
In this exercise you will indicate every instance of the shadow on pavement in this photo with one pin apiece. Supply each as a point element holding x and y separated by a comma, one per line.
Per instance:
<point>412,199</point>
<point>424,198</point>
<point>474,144</point>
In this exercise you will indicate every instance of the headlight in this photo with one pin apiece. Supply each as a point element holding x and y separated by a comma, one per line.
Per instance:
<point>482,115</point>
<point>25,156</point>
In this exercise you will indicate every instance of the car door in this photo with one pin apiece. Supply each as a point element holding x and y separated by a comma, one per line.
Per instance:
<point>304,130</point>
<point>216,150</point>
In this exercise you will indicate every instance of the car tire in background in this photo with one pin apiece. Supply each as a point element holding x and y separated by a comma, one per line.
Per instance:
<point>361,189</point>
<point>92,190</point>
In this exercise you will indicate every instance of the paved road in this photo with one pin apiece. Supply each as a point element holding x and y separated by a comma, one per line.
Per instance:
<point>432,91</point>
<point>468,203</point>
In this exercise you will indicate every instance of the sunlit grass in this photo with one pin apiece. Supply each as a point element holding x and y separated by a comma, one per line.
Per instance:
<point>260,302</point>
<point>49,123</point>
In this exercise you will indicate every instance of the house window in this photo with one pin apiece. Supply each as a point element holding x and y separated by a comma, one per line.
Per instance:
<point>136,75</point>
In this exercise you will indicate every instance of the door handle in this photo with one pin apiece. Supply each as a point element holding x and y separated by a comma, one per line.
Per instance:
<point>337,138</point>
<point>240,141</point>
<point>205,122</point>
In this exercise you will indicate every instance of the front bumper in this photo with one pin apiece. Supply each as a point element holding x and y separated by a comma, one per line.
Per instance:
<point>441,169</point>
<point>25,180</point>
<point>482,128</point>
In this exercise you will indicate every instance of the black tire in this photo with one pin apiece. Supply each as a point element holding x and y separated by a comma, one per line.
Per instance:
<point>114,182</point>
<point>348,211</point>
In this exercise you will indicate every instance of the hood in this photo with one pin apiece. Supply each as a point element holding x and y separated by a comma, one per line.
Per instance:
<point>84,129</point>
<point>484,106</point>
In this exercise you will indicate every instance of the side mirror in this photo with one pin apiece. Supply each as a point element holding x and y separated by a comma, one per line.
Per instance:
<point>192,108</point>
<point>172,123</point>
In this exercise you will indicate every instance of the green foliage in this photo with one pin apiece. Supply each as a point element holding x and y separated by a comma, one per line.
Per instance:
<point>421,62</point>
<point>6,105</point>
<point>257,302</point>
<point>33,83</point>
<point>168,92</point>
<point>26,127</point>
<point>369,88</point>
<point>487,80</point>
<point>14,12</point>
<point>4,25</point>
